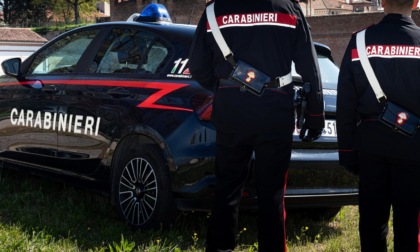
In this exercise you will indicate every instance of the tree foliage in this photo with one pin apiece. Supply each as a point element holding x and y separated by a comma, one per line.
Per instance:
<point>26,12</point>
<point>29,13</point>
<point>77,5</point>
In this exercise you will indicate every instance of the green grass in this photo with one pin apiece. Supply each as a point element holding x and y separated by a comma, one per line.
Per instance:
<point>37,214</point>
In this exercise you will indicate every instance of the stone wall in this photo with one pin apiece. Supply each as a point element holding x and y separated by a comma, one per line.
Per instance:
<point>335,31</point>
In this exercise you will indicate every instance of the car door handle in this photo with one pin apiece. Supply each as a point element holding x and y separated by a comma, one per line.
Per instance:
<point>50,89</point>
<point>118,92</point>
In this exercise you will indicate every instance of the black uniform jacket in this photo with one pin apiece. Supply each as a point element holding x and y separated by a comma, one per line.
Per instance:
<point>393,49</point>
<point>267,35</point>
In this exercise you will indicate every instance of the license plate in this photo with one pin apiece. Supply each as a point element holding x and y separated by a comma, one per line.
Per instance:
<point>330,129</point>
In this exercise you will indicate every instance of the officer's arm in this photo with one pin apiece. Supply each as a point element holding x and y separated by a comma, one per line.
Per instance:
<point>306,63</point>
<point>201,57</point>
<point>346,110</point>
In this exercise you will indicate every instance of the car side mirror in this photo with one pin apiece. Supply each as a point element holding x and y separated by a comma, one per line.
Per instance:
<point>11,67</point>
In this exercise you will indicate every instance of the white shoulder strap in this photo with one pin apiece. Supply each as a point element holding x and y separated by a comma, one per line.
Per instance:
<point>227,53</point>
<point>361,50</point>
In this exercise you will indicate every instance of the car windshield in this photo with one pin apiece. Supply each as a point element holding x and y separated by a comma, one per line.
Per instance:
<point>329,72</point>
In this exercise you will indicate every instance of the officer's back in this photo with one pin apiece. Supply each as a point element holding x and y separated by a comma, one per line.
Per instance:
<point>268,35</point>
<point>393,55</point>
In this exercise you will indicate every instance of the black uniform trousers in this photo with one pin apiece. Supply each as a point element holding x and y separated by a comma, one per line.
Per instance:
<point>233,156</point>
<point>386,182</point>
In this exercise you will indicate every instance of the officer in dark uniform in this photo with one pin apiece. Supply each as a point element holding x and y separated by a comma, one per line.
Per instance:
<point>387,161</point>
<point>269,35</point>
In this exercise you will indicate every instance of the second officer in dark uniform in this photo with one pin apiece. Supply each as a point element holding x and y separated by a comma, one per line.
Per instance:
<point>269,35</point>
<point>387,161</point>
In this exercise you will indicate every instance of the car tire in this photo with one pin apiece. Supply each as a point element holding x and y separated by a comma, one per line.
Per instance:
<point>142,188</point>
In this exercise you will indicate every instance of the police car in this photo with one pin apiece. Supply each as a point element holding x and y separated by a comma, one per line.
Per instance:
<point>112,107</point>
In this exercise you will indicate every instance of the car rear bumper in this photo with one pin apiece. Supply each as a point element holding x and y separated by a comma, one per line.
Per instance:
<point>315,179</point>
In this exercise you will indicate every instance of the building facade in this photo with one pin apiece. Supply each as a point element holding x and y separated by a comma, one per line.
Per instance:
<point>18,42</point>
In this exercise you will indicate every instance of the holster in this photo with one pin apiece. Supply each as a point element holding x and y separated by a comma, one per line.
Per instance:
<point>300,103</point>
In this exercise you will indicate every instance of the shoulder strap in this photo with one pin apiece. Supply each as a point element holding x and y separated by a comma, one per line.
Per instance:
<point>361,50</point>
<point>211,18</point>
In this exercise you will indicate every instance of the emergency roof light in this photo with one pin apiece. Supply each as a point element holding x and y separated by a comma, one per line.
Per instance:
<point>154,13</point>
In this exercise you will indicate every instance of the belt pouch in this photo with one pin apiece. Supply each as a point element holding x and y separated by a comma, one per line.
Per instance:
<point>249,77</point>
<point>399,119</point>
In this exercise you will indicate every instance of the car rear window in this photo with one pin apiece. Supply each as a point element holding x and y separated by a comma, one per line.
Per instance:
<point>329,72</point>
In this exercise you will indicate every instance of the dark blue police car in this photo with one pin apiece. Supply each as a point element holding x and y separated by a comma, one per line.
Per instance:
<point>112,107</point>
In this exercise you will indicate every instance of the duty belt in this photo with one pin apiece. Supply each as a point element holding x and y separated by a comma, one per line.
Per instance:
<point>279,82</point>
<point>368,118</point>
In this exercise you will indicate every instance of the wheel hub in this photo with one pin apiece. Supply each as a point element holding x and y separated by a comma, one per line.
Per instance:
<point>138,191</point>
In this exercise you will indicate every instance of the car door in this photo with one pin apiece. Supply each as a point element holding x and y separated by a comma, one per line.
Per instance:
<point>25,123</point>
<point>32,103</point>
<point>105,96</point>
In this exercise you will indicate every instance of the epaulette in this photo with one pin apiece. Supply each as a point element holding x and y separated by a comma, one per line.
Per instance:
<point>362,29</point>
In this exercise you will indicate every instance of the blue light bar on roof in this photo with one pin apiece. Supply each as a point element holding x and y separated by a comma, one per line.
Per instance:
<point>154,13</point>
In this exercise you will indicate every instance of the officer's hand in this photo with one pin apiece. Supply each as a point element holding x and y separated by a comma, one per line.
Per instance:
<point>353,169</point>
<point>309,135</point>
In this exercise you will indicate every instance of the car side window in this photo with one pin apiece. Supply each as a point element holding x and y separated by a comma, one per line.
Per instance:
<point>122,51</point>
<point>63,55</point>
<point>155,58</point>
<point>130,51</point>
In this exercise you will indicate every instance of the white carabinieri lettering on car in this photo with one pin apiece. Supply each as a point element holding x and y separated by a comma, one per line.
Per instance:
<point>78,124</point>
